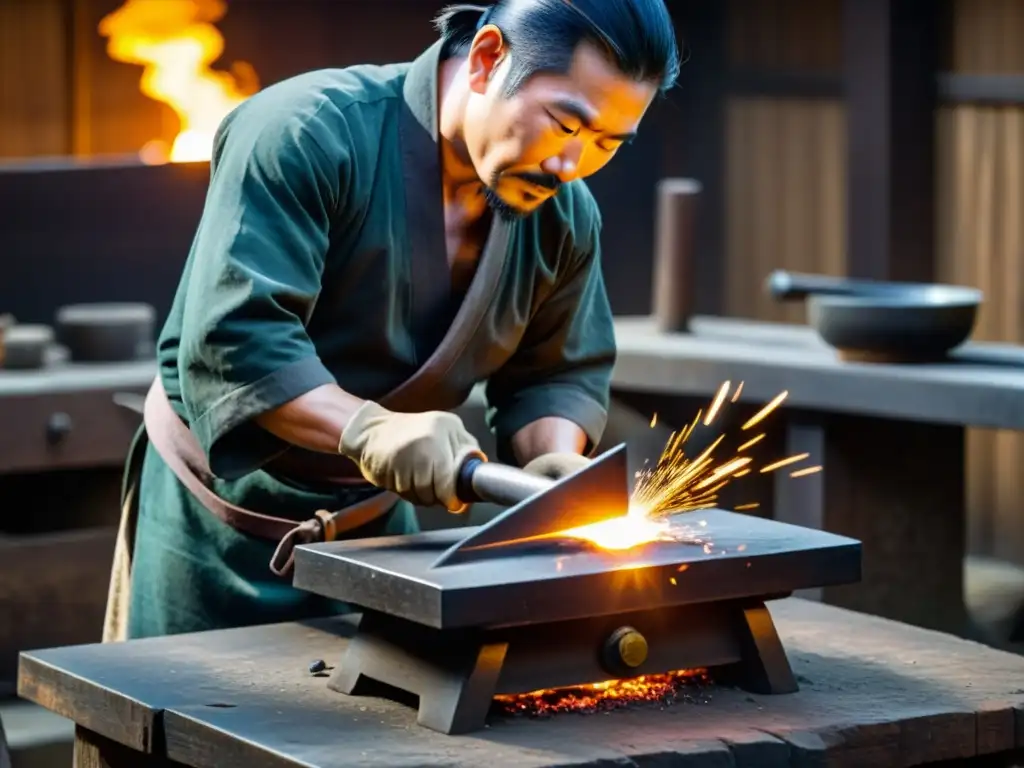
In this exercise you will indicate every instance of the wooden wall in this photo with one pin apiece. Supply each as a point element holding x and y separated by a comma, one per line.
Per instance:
<point>785,157</point>
<point>34,105</point>
<point>785,198</point>
<point>981,239</point>
<point>60,93</point>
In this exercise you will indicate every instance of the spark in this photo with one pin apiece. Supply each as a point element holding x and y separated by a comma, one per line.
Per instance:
<point>741,507</point>
<point>716,404</point>
<point>784,462</point>
<point>751,443</point>
<point>761,415</point>
<point>805,471</point>
<point>678,483</point>
<point>654,421</point>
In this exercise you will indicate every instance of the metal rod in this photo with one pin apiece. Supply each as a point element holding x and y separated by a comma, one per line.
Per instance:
<point>498,483</point>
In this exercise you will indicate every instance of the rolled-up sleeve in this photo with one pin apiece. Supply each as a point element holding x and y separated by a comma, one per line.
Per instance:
<point>253,278</point>
<point>564,362</point>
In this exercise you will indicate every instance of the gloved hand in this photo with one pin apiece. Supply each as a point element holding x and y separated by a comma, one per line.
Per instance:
<point>416,455</point>
<point>556,465</point>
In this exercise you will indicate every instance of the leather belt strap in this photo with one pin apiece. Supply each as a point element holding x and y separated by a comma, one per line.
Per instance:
<point>181,451</point>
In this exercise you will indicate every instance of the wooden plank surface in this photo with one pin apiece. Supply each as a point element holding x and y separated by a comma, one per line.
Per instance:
<point>34,98</point>
<point>873,692</point>
<point>982,384</point>
<point>74,377</point>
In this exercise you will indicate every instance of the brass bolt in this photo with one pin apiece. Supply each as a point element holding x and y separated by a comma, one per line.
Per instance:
<point>633,648</point>
<point>624,650</point>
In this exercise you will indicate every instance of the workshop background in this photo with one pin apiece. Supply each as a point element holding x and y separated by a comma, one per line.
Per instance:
<point>98,202</point>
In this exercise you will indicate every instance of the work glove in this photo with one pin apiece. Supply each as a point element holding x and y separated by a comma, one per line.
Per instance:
<point>415,455</point>
<point>556,465</point>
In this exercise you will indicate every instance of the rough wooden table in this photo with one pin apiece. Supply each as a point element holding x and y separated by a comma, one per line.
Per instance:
<point>890,437</point>
<point>873,693</point>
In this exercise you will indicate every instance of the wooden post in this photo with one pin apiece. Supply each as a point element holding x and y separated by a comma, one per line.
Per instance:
<point>890,60</point>
<point>95,751</point>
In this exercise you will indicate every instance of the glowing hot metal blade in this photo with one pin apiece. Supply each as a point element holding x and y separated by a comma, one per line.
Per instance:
<point>598,492</point>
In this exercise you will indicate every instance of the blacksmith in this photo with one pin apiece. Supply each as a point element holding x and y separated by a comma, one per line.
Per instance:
<point>376,241</point>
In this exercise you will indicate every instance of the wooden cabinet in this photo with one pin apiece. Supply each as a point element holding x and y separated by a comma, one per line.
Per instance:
<point>40,432</point>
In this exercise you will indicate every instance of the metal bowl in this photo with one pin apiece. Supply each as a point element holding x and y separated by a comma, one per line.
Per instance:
<point>891,328</point>
<point>885,321</point>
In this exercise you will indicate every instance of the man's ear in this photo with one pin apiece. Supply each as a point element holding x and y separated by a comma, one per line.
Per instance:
<point>485,55</point>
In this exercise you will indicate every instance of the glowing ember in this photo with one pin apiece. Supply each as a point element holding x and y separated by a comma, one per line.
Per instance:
<point>665,690</point>
<point>175,41</point>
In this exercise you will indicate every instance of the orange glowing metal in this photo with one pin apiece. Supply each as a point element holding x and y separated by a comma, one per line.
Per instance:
<point>176,42</point>
<point>623,532</point>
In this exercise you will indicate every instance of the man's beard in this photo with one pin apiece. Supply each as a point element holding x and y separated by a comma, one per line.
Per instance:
<point>504,210</point>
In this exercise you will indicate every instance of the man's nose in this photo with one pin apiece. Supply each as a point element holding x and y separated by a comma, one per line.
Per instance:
<point>565,165</point>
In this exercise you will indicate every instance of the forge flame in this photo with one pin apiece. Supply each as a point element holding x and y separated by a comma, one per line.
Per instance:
<point>664,690</point>
<point>175,41</point>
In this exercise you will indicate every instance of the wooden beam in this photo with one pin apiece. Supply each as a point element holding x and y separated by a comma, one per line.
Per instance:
<point>694,140</point>
<point>890,51</point>
<point>981,89</point>
<point>785,85</point>
<point>951,87</point>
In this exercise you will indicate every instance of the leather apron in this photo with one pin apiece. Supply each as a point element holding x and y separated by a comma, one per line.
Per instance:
<point>180,450</point>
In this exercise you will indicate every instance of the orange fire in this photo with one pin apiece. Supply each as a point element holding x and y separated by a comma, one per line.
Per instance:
<point>176,42</point>
<point>665,689</point>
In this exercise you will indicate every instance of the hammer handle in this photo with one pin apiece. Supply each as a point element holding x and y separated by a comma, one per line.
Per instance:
<point>485,481</point>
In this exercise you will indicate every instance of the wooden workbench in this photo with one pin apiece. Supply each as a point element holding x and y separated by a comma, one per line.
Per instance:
<point>873,693</point>
<point>891,438</point>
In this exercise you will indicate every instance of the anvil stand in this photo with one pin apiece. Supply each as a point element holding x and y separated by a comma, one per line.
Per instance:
<point>457,673</point>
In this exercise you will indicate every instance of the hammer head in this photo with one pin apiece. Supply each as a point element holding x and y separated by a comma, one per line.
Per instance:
<point>599,491</point>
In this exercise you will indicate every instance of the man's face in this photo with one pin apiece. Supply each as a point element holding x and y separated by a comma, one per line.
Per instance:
<point>556,128</point>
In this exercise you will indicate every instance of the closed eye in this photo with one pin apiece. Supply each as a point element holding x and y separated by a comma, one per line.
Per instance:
<point>562,126</point>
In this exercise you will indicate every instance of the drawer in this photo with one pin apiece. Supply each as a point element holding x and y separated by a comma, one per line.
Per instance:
<point>64,430</point>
